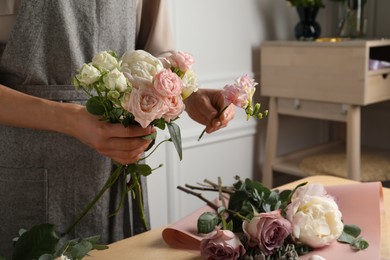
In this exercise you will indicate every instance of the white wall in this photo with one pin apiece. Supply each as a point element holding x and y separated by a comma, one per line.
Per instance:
<point>224,37</point>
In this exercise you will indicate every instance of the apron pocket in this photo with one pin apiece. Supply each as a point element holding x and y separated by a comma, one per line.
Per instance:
<point>23,202</point>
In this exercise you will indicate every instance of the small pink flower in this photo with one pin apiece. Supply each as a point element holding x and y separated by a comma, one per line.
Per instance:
<point>235,95</point>
<point>181,60</point>
<point>176,107</point>
<point>221,244</point>
<point>167,83</point>
<point>241,92</point>
<point>145,104</point>
<point>267,230</point>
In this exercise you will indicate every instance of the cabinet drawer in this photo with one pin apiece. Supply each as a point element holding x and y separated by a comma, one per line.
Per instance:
<point>312,109</point>
<point>324,71</point>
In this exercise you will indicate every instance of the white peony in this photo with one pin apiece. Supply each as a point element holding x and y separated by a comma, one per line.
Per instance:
<point>315,216</point>
<point>88,74</point>
<point>139,66</point>
<point>105,61</point>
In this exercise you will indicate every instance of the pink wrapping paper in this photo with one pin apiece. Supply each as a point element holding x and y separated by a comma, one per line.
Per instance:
<point>361,204</point>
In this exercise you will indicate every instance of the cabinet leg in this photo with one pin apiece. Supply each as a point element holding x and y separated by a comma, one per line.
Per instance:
<point>270,143</point>
<point>353,142</point>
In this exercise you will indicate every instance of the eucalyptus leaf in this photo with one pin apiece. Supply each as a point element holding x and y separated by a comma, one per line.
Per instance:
<point>359,244</point>
<point>207,222</point>
<point>143,169</point>
<point>46,257</point>
<point>174,131</point>
<point>81,249</point>
<point>39,240</point>
<point>352,230</point>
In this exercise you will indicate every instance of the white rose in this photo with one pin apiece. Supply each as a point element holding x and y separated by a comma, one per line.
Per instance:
<point>316,221</point>
<point>115,80</point>
<point>105,61</point>
<point>88,74</point>
<point>189,84</point>
<point>139,66</point>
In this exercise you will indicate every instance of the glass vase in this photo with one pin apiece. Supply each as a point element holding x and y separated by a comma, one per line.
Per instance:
<point>353,21</point>
<point>307,29</point>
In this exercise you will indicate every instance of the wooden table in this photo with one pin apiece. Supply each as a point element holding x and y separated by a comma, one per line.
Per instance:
<point>150,245</point>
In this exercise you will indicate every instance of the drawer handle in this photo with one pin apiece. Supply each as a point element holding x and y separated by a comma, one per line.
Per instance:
<point>297,103</point>
<point>384,75</point>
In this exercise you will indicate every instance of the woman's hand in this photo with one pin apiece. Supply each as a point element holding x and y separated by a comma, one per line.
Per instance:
<point>204,105</point>
<point>122,144</point>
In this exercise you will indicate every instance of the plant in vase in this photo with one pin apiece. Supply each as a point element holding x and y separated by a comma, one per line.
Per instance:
<point>352,21</point>
<point>307,29</point>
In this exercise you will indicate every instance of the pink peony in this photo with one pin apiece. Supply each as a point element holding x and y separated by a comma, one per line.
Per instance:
<point>145,104</point>
<point>181,60</point>
<point>176,107</point>
<point>167,83</point>
<point>221,244</point>
<point>267,230</point>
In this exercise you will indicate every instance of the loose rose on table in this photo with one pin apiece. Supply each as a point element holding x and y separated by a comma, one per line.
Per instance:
<point>273,224</point>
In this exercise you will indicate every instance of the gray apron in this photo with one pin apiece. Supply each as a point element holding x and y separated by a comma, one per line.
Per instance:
<point>46,176</point>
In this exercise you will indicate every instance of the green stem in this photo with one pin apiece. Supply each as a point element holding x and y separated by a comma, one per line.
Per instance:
<point>219,114</point>
<point>111,180</point>
<point>138,192</point>
<point>168,140</point>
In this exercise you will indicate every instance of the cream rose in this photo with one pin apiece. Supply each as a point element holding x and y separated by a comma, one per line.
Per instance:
<point>115,80</point>
<point>105,61</point>
<point>88,74</point>
<point>315,216</point>
<point>140,66</point>
<point>189,84</point>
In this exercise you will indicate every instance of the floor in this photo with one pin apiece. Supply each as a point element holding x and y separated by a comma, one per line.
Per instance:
<point>282,178</point>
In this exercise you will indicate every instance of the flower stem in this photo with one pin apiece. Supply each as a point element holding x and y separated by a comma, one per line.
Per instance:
<point>111,180</point>
<point>138,192</point>
<point>219,114</point>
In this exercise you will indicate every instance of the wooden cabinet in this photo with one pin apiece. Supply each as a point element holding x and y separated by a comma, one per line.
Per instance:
<point>323,80</point>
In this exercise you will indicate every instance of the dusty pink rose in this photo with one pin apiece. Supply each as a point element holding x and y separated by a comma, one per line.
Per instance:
<point>181,60</point>
<point>167,83</point>
<point>145,104</point>
<point>267,230</point>
<point>176,107</point>
<point>221,244</point>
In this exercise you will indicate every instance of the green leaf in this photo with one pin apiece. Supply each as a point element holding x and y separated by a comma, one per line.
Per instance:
<point>81,249</point>
<point>207,222</point>
<point>46,257</point>
<point>174,131</point>
<point>95,106</point>
<point>143,169</point>
<point>359,244</point>
<point>352,230</point>
<point>39,240</point>
<point>151,136</point>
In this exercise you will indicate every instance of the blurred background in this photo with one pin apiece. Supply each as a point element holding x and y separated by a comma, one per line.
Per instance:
<point>225,36</point>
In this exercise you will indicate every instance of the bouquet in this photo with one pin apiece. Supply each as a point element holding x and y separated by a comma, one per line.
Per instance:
<point>253,222</point>
<point>137,88</point>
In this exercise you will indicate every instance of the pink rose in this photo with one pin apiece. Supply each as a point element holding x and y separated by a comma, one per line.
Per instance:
<point>181,60</point>
<point>221,244</point>
<point>145,104</point>
<point>167,83</point>
<point>267,230</point>
<point>176,107</point>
